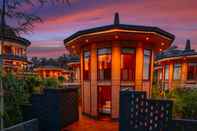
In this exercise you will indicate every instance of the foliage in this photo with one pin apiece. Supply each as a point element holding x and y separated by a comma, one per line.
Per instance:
<point>34,84</point>
<point>184,102</point>
<point>15,95</point>
<point>21,20</point>
<point>51,83</point>
<point>155,92</point>
<point>61,79</point>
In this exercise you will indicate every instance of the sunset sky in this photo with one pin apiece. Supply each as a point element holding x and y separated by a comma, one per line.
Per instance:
<point>178,17</point>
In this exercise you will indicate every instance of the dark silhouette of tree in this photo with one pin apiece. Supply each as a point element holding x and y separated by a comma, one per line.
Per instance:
<point>23,22</point>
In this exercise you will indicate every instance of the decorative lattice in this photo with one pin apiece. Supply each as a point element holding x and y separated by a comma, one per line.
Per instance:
<point>140,114</point>
<point>158,114</point>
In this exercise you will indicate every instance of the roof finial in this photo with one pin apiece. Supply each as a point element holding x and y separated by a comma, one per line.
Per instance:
<point>188,45</point>
<point>116,19</point>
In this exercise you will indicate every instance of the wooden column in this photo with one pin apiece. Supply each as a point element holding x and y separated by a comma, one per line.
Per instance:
<point>81,82</point>
<point>184,71</point>
<point>170,76</point>
<point>151,74</point>
<point>93,85</point>
<point>1,48</point>
<point>139,68</point>
<point>115,79</point>
<point>44,73</point>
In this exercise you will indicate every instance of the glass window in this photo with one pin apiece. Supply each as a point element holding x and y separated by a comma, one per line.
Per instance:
<point>192,71</point>
<point>127,64</point>
<point>160,74</point>
<point>104,64</point>
<point>166,72</point>
<point>147,62</point>
<point>86,67</point>
<point>177,72</point>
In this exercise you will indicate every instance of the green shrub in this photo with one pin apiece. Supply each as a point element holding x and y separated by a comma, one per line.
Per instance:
<point>61,79</point>
<point>51,83</point>
<point>15,94</point>
<point>184,101</point>
<point>35,84</point>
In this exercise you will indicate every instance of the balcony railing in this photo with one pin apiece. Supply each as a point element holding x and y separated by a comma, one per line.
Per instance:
<point>13,57</point>
<point>164,84</point>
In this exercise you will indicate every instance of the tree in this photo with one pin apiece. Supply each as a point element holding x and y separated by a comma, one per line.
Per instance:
<point>23,22</point>
<point>35,61</point>
<point>16,94</point>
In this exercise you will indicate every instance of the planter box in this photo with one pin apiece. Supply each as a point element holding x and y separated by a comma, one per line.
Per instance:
<point>55,108</point>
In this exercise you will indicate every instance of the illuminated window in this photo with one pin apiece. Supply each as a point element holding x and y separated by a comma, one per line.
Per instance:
<point>86,67</point>
<point>127,64</point>
<point>160,74</point>
<point>166,72</point>
<point>147,64</point>
<point>104,64</point>
<point>192,71</point>
<point>177,72</point>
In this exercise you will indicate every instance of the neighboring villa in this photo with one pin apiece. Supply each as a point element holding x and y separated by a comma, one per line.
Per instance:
<point>176,68</point>
<point>112,58</point>
<point>13,52</point>
<point>65,66</point>
<point>52,72</point>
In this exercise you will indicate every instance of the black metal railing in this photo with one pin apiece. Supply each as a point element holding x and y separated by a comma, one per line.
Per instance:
<point>14,57</point>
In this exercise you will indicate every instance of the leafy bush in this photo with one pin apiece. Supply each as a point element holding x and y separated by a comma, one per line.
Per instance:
<point>34,84</point>
<point>61,79</point>
<point>15,94</point>
<point>51,83</point>
<point>184,102</point>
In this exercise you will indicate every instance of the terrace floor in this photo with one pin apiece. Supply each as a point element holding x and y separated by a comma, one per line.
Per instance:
<point>87,124</point>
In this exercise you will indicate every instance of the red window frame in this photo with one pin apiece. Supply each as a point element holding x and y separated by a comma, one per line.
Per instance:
<point>192,69</point>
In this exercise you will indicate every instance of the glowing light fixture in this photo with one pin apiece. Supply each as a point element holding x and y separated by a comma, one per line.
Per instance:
<point>147,38</point>
<point>116,36</point>
<point>86,40</point>
<point>162,44</point>
<point>72,46</point>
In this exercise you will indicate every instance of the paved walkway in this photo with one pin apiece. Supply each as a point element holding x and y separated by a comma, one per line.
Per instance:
<point>87,124</point>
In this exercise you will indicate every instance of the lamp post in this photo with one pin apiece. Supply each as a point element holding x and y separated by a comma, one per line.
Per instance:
<point>1,65</point>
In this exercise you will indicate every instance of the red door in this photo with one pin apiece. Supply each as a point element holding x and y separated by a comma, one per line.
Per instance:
<point>104,100</point>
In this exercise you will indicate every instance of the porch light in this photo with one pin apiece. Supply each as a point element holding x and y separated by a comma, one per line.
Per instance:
<point>162,44</point>
<point>72,46</point>
<point>86,40</point>
<point>147,38</point>
<point>116,36</point>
